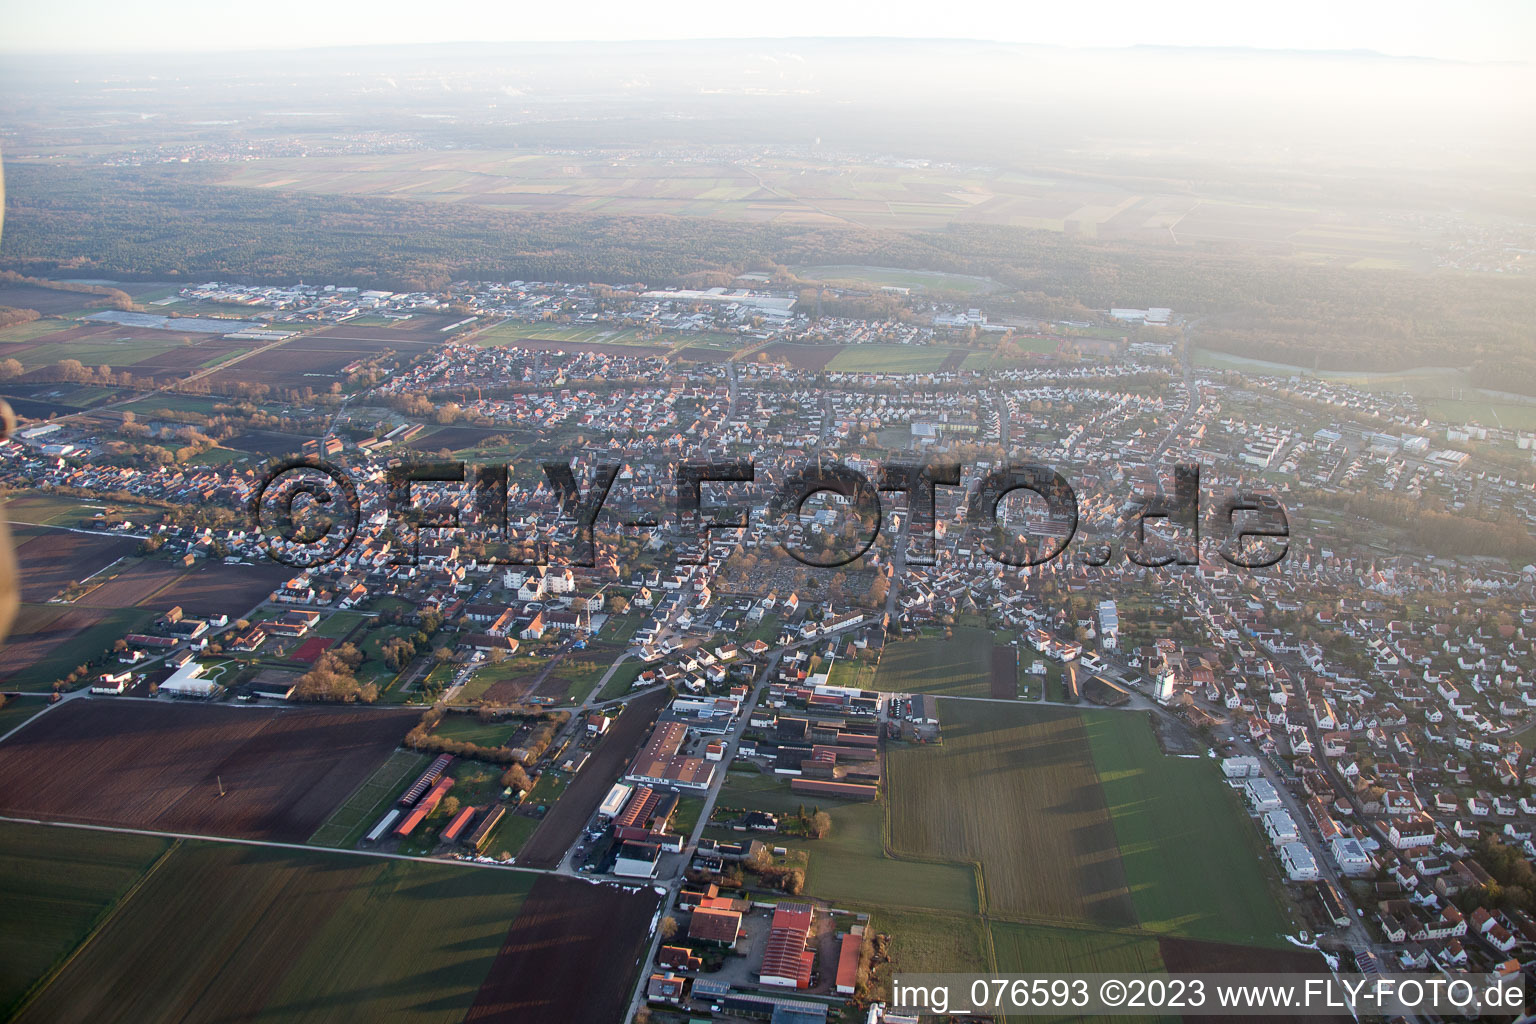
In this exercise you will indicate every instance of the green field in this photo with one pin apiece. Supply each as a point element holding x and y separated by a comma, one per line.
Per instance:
<point>172,403</point>
<point>958,667</point>
<point>224,931</point>
<point>514,332</point>
<point>57,887</point>
<point>99,350</point>
<point>352,820</point>
<point>17,711</point>
<point>33,330</point>
<point>1031,949</point>
<point>93,642</point>
<point>1024,948</point>
<point>1012,789</point>
<point>339,624</point>
<point>1191,855</point>
<point>851,865</point>
<point>922,941</point>
<point>890,358</point>
<point>469,729</point>
<point>1507,415</point>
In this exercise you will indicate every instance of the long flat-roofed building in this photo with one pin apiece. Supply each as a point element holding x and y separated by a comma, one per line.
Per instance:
<point>662,760</point>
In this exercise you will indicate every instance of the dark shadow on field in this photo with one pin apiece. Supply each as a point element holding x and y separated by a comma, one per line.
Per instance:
<point>570,957</point>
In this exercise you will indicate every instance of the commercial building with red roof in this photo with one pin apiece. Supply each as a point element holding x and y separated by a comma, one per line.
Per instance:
<point>786,961</point>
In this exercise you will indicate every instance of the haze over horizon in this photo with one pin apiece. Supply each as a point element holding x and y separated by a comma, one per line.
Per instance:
<point>1485,31</point>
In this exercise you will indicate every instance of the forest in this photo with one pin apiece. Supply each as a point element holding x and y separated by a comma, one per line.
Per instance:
<point>174,224</point>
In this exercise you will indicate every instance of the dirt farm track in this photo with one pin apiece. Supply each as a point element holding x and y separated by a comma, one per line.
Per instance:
<point>160,765</point>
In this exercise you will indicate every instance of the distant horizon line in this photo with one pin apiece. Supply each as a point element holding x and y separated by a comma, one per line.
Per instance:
<point>1284,51</point>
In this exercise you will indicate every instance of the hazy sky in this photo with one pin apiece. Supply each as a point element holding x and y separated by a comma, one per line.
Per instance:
<point>1476,30</point>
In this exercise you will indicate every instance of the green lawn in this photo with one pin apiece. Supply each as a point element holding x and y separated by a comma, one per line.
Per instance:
<point>1191,856</point>
<point>623,678</point>
<point>852,672</point>
<point>339,624</point>
<point>352,820</point>
<point>510,835</point>
<point>57,887</point>
<point>960,666</point>
<point>688,810</point>
<point>469,729</point>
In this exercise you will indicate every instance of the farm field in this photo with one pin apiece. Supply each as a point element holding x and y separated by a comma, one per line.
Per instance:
<point>52,559</point>
<point>48,641</point>
<point>896,359</point>
<point>17,711</point>
<point>557,832</point>
<point>1190,855</point>
<point>160,765</point>
<point>880,277</point>
<point>1022,948</point>
<point>1446,392</point>
<point>1013,788</point>
<point>636,341</point>
<point>45,509</point>
<point>297,937</point>
<point>923,941</point>
<point>57,887</point>
<point>787,191</point>
<point>545,972</point>
<point>958,667</point>
<point>1028,948</point>
<point>851,864</point>
<point>352,820</point>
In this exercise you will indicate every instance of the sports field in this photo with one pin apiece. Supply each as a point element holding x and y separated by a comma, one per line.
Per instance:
<point>1190,854</point>
<point>295,937</point>
<point>958,667</point>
